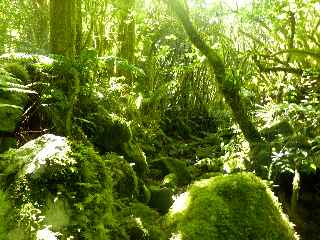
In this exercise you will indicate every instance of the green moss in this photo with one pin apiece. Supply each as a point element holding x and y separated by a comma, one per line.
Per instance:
<point>124,179</point>
<point>137,221</point>
<point>111,131</point>
<point>179,168</point>
<point>7,142</point>
<point>134,154</point>
<point>5,209</point>
<point>233,207</point>
<point>260,159</point>
<point>161,199</point>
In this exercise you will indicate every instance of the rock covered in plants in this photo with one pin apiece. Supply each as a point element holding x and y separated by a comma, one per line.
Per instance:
<point>138,221</point>
<point>54,182</point>
<point>161,198</point>
<point>110,132</point>
<point>133,153</point>
<point>5,213</point>
<point>234,207</point>
<point>167,165</point>
<point>124,178</point>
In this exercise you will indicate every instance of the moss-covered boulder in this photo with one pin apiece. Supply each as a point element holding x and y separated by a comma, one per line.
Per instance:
<point>124,178</point>
<point>7,142</point>
<point>5,212</point>
<point>54,182</point>
<point>110,131</point>
<point>137,221</point>
<point>161,198</point>
<point>134,154</point>
<point>234,207</point>
<point>167,165</point>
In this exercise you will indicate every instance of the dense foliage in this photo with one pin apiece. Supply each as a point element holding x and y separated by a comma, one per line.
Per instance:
<point>149,97</point>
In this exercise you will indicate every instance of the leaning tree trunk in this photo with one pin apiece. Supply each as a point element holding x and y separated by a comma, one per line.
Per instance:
<point>230,94</point>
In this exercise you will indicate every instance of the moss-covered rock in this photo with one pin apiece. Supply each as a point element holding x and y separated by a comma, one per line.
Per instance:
<point>137,221</point>
<point>111,131</point>
<point>124,178</point>
<point>234,207</point>
<point>134,154</point>
<point>161,198</point>
<point>167,165</point>
<point>5,213</point>
<point>52,181</point>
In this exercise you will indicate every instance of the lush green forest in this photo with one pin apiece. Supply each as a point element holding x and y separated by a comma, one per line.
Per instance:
<point>159,119</point>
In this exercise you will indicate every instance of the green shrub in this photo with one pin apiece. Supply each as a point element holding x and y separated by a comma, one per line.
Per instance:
<point>18,71</point>
<point>234,207</point>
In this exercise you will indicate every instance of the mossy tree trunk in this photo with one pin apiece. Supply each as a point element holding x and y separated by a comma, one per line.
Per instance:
<point>63,27</point>
<point>79,43</point>
<point>127,33</point>
<point>41,23</point>
<point>230,93</point>
<point>65,39</point>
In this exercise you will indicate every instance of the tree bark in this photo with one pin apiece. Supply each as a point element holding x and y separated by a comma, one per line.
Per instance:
<point>41,23</point>
<point>230,93</point>
<point>63,19</point>
<point>127,32</point>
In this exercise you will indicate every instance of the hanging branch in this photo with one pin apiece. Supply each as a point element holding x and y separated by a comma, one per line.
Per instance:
<point>230,93</point>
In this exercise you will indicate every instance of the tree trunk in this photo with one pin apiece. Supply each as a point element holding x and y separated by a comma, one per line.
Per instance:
<point>230,93</point>
<point>41,23</point>
<point>127,32</point>
<point>63,25</point>
<point>79,42</point>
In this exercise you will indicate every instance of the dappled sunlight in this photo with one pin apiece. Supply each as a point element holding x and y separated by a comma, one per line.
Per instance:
<point>166,119</point>
<point>181,203</point>
<point>55,147</point>
<point>46,234</point>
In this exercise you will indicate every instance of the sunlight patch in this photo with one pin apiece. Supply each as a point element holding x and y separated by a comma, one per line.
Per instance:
<point>180,203</point>
<point>54,147</point>
<point>46,234</point>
